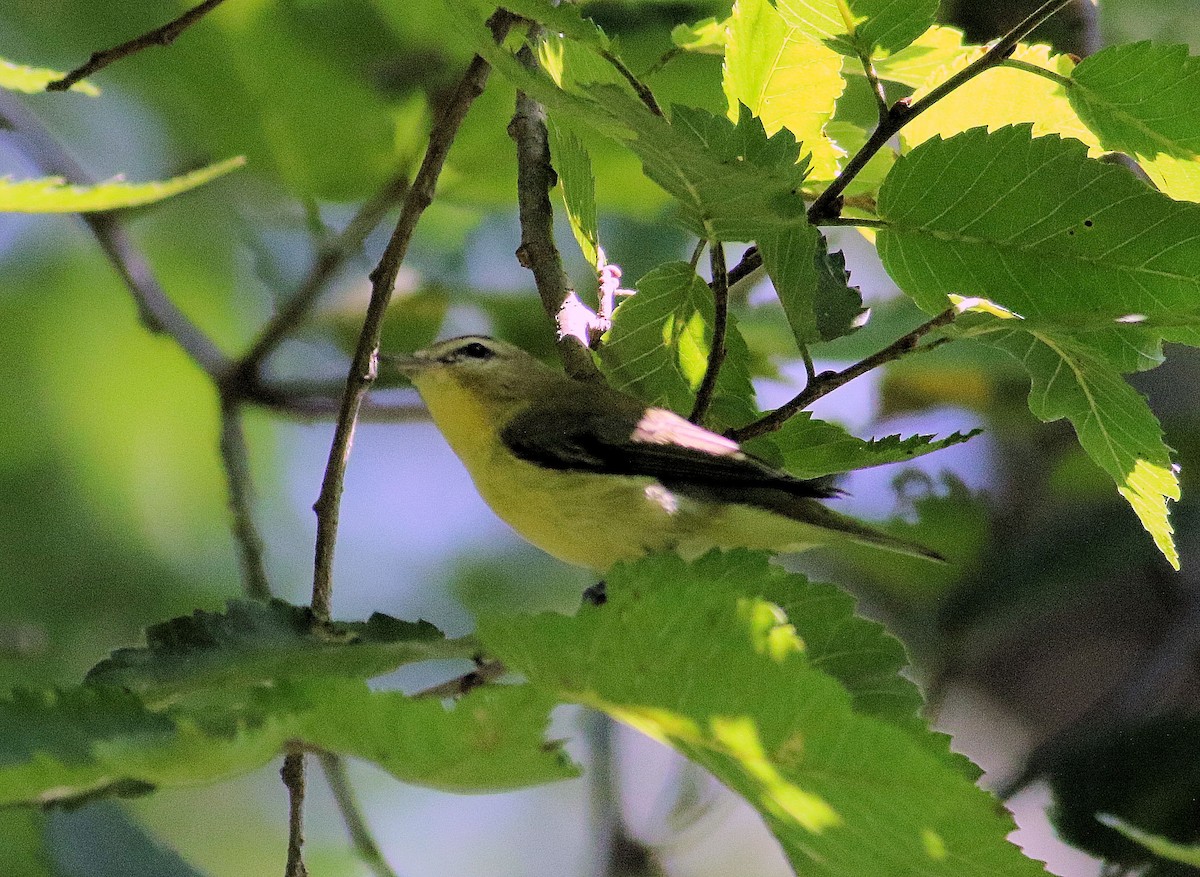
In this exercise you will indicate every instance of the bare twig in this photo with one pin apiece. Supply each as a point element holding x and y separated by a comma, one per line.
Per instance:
<point>330,258</point>
<point>643,91</point>
<point>236,462</point>
<point>537,252</point>
<point>292,774</point>
<point>827,204</point>
<point>364,366</point>
<point>356,824</point>
<point>160,36</point>
<point>484,672</point>
<point>716,356</point>
<point>156,309</point>
<point>827,382</point>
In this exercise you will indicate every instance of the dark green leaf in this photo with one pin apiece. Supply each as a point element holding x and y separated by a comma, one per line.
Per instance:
<point>251,643</point>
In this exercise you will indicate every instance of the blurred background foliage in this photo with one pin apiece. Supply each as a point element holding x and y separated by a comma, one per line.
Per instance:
<point>112,505</point>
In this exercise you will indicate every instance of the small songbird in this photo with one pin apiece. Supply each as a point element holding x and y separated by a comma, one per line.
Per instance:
<point>592,476</point>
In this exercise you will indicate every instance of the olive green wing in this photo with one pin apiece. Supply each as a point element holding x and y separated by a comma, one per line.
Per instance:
<point>585,436</point>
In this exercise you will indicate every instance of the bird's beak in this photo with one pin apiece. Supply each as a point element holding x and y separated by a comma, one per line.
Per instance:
<point>408,365</point>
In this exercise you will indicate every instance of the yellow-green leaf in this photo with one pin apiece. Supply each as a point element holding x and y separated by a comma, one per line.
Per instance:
<point>786,79</point>
<point>18,77</point>
<point>55,195</point>
<point>998,97</point>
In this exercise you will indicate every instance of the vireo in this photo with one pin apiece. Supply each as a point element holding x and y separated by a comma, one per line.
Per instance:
<point>593,476</point>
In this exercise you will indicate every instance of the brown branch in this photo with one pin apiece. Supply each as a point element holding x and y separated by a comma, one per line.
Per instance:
<point>160,36</point>
<point>157,311</point>
<point>828,204</point>
<point>236,462</point>
<point>484,672</point>
<point>645,95</point>
<point>827,382</point>
<point>364,367</point>
<point>356,824</point>
<point>331,257</point>
<point>292,774</point>
<point>716,356</point>
<point>537,252</point>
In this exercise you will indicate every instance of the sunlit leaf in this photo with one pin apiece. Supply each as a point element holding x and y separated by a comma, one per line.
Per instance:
<point>1079,378</point>
<point>574,167</point>
<point>706,36</point>
<point>786,79</point>
<point>937,49</point>
<point>998,97</point>
<point>55,195</point>
<point>1141,99</point>
<point>871,26</point>
<point>659,344</point>
<point>691,655</point>
<point>31,80</point>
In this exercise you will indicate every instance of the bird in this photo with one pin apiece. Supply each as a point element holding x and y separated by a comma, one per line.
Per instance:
<point>594,476</point>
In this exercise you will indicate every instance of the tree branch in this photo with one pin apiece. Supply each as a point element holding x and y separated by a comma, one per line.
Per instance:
<point>537,252</point>
<point>827,204</point>
<point>332,255</point>
<point>356,824</point>
<point>157,311</point>
<point>160,36</point>
<point>292,774</point>
<point>236,462</point>
<point>364,367</point>
<point>716,355</point>
<point>827,382</point>
<point>484,672</point>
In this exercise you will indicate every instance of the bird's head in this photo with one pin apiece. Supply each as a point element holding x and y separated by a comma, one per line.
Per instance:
<point>495,374</point>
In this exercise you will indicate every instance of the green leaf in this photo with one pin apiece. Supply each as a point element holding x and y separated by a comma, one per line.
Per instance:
<point>786,79</point>
<point>838,305</point>
<point>1079,377</point>
<point>252,643</point>
<point>31,80</point>
<point>811,448</point>
<point>998,97</point>
<point>732,180</point>
<point>790,256</point>
<point>659,344</point>
<point>915,64</point>
<point>1140,99</point>
<point>1188,854</point>
<point>69,746</point>
<point>25,850</point>
<point>1036,227</point>
<point>574,168</point>
<point>869,26</point>
<point>55,195</point>
<point>706,36</point>
<point>692,656</point>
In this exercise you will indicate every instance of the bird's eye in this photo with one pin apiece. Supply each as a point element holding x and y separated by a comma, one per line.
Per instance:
<point>475,350</point>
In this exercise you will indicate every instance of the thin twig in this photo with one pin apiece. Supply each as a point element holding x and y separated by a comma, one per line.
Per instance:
<point>827,382</point>
<point>900,114</point>
<point>352,815</point>
<point>160,36</point>
<point>1018,64</point>
<point>643,91</point>
<point>484,672</point>
<point>236,462</point>
<point>292,774</point>
<point>537,252</point>
<point>332,255</point>
<point>881,100</point>
<point>157,311</point>
<point>364,366</point>
<point>716,356</point>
